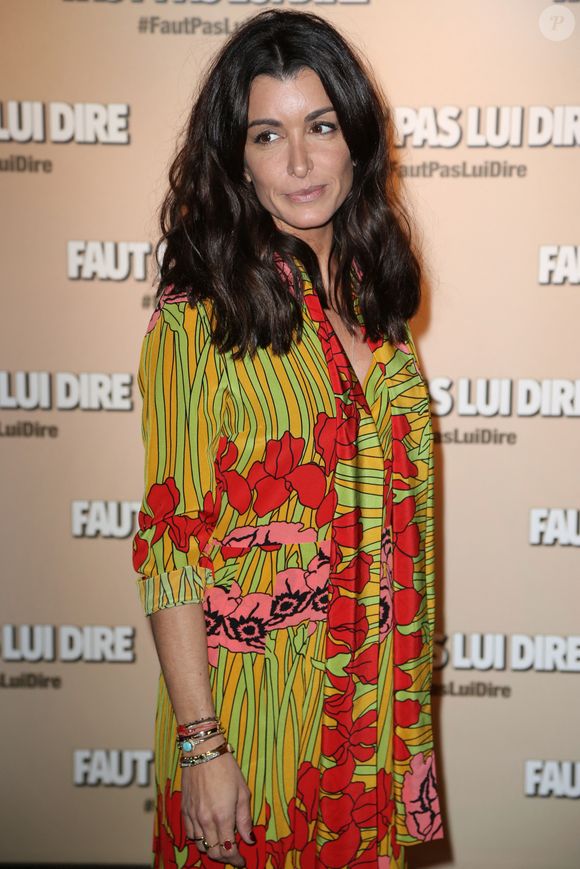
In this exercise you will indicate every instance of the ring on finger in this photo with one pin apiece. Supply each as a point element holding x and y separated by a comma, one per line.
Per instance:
<point>226,844</point>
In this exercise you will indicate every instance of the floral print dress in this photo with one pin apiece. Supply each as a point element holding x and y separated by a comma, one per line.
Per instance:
<point>296,505</point>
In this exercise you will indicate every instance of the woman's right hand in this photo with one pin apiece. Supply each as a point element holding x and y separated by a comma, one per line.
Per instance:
<point>215,801</point>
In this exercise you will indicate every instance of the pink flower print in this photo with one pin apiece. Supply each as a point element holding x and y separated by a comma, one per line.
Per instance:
<point>247,625</point>
<point>421,801</point>
<point>237,622</point>
<point>218,604</point>
<point>300,595</point>
<point>291,599</point>
<point>163,298</point>
<point>269,537</point>
<point>386,586</point>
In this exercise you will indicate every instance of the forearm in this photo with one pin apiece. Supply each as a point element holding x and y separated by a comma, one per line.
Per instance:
<point>181,643</point>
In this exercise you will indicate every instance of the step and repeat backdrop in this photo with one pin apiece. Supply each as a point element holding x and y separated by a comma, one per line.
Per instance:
<point>487,106</point>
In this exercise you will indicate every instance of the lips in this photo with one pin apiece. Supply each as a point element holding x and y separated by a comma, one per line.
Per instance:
<point>307,194</point>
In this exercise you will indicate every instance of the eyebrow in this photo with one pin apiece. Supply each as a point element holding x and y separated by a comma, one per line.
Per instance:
<point>272,122</point>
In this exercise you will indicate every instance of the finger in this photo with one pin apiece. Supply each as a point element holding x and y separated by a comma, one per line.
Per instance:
<point>244,823</point>
<point>222,845</point>
<point>229,850</point>
<point>210,836</point>
<point>197,836</point>
<point>188,824</point>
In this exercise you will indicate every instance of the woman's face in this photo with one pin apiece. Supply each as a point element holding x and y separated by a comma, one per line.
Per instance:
<point>295,153</point>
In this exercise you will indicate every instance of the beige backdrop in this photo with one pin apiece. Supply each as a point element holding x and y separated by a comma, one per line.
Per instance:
<point>91,104</point>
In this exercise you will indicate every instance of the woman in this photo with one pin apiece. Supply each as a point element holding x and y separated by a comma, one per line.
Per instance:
<point>285,543</point>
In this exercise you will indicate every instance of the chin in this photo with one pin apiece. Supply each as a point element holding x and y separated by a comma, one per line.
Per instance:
<point>307,221</point>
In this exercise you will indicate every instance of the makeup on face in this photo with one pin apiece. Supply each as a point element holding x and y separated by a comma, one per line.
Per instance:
<point>295,155</point>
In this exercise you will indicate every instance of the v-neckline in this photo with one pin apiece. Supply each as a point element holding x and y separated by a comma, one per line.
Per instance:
<point>362,386</point>
<point>308,290</point>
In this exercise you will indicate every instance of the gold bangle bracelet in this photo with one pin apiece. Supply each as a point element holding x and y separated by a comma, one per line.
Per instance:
<point>196,759</point>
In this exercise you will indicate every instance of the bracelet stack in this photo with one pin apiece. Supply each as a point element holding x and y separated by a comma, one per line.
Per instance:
<point>193,734</point>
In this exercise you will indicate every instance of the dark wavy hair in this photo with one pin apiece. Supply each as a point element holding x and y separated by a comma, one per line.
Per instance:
<point>219,241</point>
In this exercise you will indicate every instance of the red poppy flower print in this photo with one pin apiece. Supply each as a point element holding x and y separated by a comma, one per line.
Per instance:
<point>281,473</point>
<point>315,310</point>
<point>347,622</point>
<point>354,804</point>
<point>339,704</point>
<point>341,851</point>
<point>325,440</point>
<point>406,539</point>
<point>308,787</point>
<point>347,529</point>
<point>231,482</point>
<point>278,851</point>
<point>400,750</point>
<point>327,508</point>
<point>407,712</point>
<point>140,552</point>
<point>401,428</point>
<point>356,574</point>
<point>403,680</point>
<point>255,856</point>
<point>407,646</point>
<point>182,528</point>
<point>347,430</point>
<point>298,825</point>
<point>407,603</point>
<point>349,742</point>
<point>335,438</point>
<point>163,499</point>
<point>385,802</point>
<point>173,813</point>
<point>365,665</point>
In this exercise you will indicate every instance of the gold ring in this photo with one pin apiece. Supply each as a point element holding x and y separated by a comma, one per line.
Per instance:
<point>227,844</point>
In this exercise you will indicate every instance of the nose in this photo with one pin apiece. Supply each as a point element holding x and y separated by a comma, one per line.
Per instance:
<point>299,159</point>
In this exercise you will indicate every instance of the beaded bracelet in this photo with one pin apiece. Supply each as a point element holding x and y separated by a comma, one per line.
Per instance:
<point>196,759</point>
<point>187,743</point>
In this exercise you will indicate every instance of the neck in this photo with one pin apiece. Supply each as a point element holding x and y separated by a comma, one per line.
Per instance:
<point>321,244</point>
<point>320,240</point>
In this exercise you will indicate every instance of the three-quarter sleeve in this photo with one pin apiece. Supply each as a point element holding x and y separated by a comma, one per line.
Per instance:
<point>181,383</point>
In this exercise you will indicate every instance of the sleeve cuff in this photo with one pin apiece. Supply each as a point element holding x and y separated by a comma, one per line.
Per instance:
<point>183,585</point>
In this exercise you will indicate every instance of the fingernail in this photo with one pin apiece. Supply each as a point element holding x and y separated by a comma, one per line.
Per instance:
<point>252,837</point>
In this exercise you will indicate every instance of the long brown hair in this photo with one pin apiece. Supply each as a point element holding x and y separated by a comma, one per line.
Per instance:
<point>220,241</point>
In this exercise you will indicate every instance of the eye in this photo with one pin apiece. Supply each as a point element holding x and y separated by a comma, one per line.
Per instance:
<point>318,124</point>
<point>260,141</point>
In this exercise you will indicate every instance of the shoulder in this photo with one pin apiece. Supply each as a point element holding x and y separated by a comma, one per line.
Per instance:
<point>174,310</point>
